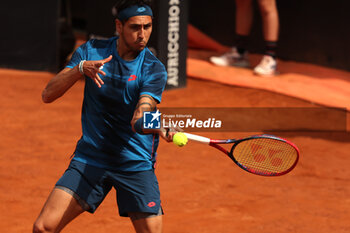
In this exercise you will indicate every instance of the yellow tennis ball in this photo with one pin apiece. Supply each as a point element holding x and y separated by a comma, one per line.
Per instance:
<point>180,139</point>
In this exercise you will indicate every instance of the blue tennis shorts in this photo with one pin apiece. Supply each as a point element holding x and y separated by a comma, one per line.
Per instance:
<point>136,191</point>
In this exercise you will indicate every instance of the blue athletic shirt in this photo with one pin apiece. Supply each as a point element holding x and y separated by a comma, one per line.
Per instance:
<point>107,138</point>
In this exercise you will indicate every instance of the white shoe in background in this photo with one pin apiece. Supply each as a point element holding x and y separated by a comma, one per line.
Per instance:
<point>231,58</point>
<point>267,66</point>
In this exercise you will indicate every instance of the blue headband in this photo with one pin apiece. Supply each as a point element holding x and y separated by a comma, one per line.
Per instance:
<point>134,10</point>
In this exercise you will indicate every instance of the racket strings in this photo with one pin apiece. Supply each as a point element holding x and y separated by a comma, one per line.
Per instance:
<point>265,155</point>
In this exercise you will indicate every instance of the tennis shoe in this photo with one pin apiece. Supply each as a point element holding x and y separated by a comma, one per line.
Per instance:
<point>267,66</point>
<point>231,58</point>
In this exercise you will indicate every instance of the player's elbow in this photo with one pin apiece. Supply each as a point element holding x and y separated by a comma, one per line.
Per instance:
<point>136,125</point>
<point>133,125</point>
<point>46,98</point>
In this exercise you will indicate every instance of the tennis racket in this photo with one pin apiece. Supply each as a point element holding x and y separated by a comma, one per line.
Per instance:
<point>264,155</point>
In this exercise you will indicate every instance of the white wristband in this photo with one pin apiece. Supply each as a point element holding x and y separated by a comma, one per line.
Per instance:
<point>81,70</point>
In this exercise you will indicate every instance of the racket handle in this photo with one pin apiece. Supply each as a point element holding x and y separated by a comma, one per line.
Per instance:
<point>197,138</point>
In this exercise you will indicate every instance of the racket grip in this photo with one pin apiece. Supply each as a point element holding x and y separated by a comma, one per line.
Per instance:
<point>197,138</point>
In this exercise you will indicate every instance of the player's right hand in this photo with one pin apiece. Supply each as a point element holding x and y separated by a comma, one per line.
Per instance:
<point>92,69</point>
<point>167,134</point>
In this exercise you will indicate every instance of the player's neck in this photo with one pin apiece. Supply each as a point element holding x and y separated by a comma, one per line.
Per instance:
<point>125,52</point>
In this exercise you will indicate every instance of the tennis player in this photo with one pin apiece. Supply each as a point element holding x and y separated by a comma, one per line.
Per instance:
<point>122,80</point>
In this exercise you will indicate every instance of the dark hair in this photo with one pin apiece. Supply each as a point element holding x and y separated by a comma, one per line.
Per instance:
<point>122,4</point>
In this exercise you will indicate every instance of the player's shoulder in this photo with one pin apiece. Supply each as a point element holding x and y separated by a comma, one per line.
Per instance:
<point>95,49</point>
<point>100,43</point>
<point>152,62</point>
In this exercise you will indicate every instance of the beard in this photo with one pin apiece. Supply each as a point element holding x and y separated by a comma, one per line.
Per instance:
<point>136,46</point>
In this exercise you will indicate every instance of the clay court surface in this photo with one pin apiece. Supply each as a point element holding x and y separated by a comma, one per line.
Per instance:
<point>202,190</point>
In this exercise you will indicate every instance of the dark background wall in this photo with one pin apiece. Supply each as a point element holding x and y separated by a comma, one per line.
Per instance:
<point>29,34</point>
<point>313,31</point>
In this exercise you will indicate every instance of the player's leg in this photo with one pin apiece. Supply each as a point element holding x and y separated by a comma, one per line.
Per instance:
<point>147,223</point>
<point>59,209</point>
<point>138,198</point>
<point>82,187</point>
<point>269,14</point>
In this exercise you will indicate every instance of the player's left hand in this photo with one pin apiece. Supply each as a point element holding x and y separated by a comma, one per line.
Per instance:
<point>93,69</point>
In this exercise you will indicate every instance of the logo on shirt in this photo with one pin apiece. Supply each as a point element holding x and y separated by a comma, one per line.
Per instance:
<point>132,77</point>
<point>151,120</point>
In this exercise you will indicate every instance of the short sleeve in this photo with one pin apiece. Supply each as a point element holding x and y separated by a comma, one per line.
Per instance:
<point>77,56</point>
<point>154,82</point>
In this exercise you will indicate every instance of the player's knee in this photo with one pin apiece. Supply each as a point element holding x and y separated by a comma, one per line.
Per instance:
<point>150,224</point>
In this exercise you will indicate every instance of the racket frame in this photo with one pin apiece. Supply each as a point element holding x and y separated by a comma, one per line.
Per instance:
<point>215,143</point>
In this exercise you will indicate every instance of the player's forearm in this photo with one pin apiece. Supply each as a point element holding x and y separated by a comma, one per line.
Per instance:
<point>158,131</point>
<point>146,103</point>
<point>137,127</point>
<point>59,84</point>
